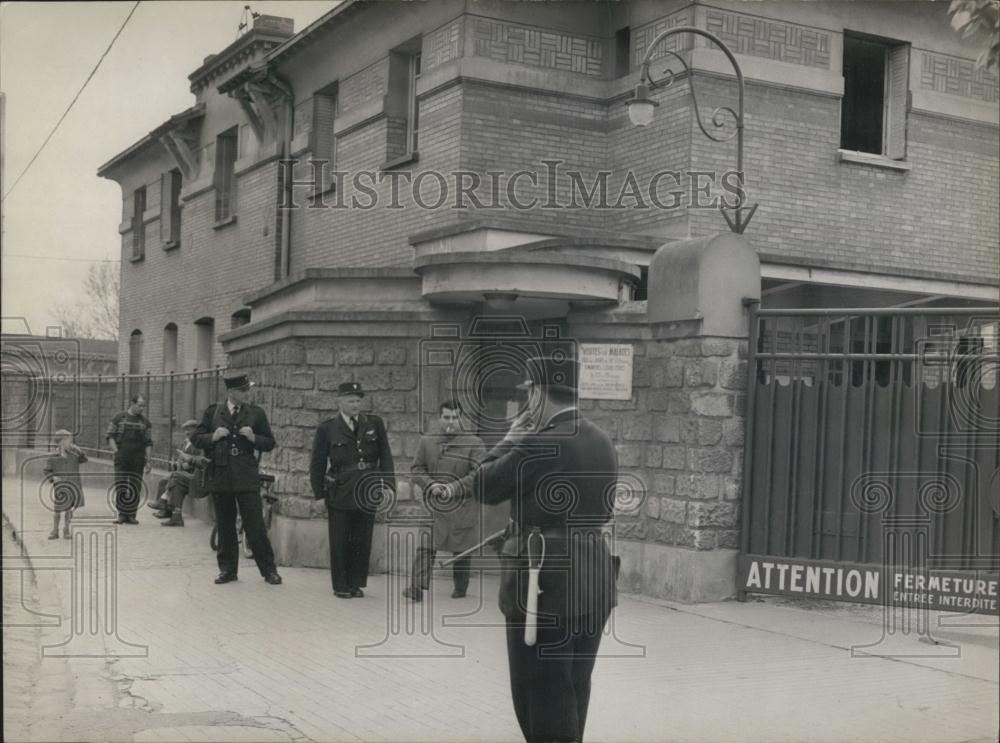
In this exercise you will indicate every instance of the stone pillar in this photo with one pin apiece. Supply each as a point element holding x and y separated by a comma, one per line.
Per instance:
<point>681,434</point>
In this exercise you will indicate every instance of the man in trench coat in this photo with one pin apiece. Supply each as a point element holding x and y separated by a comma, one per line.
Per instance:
<point>445,457</point>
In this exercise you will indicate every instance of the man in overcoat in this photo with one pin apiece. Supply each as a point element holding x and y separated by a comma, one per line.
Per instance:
<point>560,475</point>
<point>351,469</point>
<point>444,457</point>
<point>233,433</point>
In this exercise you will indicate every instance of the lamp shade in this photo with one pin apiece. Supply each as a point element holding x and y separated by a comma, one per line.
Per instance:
<point>641,107</point>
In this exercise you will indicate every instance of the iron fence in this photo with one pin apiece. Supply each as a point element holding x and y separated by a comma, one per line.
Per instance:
<point>34,406</point>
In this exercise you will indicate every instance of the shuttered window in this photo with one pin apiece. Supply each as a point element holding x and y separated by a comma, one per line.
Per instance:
<point>170,208</point>
<point>876,96</point>
<point>138,228</point>
<point>226,145</point>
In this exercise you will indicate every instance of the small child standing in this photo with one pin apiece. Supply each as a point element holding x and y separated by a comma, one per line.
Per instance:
<point>64,470</point>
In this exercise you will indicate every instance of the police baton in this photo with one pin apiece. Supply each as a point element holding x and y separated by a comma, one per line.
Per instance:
<point>491,538</point>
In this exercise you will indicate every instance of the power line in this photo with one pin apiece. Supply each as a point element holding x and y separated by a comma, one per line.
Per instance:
<point>59,258</point>
<point>72,102</point>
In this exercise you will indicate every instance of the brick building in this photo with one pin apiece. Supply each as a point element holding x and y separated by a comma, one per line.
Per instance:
<point>870,195</point>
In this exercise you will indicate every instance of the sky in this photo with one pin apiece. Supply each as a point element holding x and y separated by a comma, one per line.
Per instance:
<point>61,217</point>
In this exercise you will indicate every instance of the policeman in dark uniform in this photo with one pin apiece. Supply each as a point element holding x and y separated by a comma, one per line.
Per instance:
<point>351,468</point>
<point>232,433</point>
<point>558,580</point>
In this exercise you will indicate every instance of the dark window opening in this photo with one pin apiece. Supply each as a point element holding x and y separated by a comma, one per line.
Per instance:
<point>864,96</point>
<point>226,146</point>
<point>641,293</point>
<point>873,113</point>
<point>138,228</point>
<point>623,46</point>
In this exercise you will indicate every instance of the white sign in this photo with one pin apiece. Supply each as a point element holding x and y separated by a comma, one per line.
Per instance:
<point>605,371</point>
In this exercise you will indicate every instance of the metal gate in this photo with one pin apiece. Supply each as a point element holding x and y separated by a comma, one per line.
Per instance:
<point>872,460</point>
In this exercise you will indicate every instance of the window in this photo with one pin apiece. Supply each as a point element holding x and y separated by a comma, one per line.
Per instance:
<point>169,348</point>
<point>138,228</point>
<point>203,342</point>
<point>170,209</point>
<point>402,109</point>
<point>324,141</point>
<point>226,146</point>
<point>240,318</point>
<point>413,111</point>
<point>876,96</point>
<point>623,42</point>
<point>135,352</point>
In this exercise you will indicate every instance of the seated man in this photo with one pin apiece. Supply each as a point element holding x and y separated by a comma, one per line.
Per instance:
<point>171,490</point>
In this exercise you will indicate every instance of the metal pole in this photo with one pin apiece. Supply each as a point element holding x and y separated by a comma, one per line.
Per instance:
<point>170,413</point>
<point>100,402</point>
<point>751,389</point>
<point>194,393</point>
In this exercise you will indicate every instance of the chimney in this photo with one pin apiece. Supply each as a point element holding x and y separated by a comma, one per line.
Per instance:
<point>274,25</point>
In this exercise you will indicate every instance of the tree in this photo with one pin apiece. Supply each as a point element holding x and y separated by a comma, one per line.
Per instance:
<point>96,316</point>
<point>979,18</point>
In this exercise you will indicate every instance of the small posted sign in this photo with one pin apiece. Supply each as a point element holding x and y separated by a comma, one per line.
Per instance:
<point>605,371</point>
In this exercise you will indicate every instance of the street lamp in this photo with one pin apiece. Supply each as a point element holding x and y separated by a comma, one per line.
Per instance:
<point>641,109</point>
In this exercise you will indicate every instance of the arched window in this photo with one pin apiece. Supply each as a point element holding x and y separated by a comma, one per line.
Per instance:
<point>204,329</point>
<point>169,348</point>
<point>135,352</point>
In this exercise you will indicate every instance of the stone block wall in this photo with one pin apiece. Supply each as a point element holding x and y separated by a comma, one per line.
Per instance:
<point>680,436</point>
<point>297,384</point>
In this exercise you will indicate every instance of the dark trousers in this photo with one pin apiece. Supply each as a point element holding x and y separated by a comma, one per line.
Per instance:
<point>251,511</point>
<point>128,485</point>
<point>350,547</point>
<point>178,486</point>
<point>423,563</point>
<point>551,693</point>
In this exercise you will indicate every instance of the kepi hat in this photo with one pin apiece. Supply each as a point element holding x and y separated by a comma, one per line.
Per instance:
<point>238,382</point>
<point>189,423</point>
<point>350,388</point>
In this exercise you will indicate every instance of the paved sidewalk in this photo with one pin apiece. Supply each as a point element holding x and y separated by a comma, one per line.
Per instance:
<point>252,662</point>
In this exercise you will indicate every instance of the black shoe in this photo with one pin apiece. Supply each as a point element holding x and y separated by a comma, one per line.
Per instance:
<point>458,594</point>
<point>357,593</point>
<point>225,578</point>
<point>413,594</point>
<point>273,578</point>
<point>163,514</point>
<point>175,520</point>
<point>121,519</point>
<point>132,521</point>
<point>158,505</point>
<point>343,594</point>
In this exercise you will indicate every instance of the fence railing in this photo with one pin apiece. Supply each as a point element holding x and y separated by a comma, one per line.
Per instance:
<point>35,406</point>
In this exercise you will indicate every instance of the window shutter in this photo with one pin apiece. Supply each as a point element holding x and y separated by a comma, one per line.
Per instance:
<point>166,211</point>
<point>896,100</point>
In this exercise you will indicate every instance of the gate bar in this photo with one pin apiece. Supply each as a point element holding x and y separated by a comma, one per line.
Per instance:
<point>753,305</point>
<point>842,312</point>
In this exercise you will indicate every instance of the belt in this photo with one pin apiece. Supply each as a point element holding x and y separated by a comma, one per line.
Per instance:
<point>357,466</point>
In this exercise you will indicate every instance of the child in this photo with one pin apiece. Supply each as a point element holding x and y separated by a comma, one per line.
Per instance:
<point>64,470</point>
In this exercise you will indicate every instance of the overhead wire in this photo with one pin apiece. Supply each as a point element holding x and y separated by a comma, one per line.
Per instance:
<point>72,102</point>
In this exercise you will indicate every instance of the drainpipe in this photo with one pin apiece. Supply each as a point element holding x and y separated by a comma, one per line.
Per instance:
<point>286,149</point>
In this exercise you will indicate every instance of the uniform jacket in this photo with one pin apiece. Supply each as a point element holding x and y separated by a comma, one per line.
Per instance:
<point>444,458</point>
<point>337,451</point>
<point>233,465</point>
<point>132,434</point>
<point>561,479</point>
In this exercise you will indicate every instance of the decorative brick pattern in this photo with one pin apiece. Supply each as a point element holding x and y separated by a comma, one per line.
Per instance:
<point>365,86</point>
<point>758,37</point>
<point>442,46</point>
<point>511,43</point>
<point>957,76</point>
<point>643,36</point>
